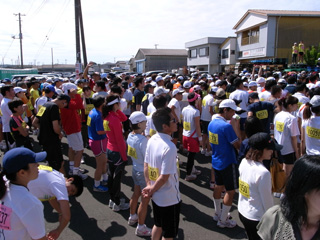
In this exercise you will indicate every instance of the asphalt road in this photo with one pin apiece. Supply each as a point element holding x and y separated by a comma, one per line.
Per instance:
<point>92,219</point>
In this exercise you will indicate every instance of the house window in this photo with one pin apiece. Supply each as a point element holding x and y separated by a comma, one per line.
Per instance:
<point>225,53</point>
<point>203,51</point>
<point>250,36</point>
<point>240,54</point>
<point>193,53</point>
<point>232,52</point>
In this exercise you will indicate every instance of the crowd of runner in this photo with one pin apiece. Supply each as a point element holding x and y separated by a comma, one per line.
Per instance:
<point>239,120</point>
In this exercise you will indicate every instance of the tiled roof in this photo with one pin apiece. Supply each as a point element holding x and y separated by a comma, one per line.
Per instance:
<point>163,52</point>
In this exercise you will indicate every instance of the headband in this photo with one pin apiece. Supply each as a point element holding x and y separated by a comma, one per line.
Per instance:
<point>113,102</point>
<point>194,98</point>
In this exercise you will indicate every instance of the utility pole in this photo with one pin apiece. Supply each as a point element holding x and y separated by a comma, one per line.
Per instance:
<point>156,46</point>
<point>84,52</point>
<point>76,11</point>
<point>52,59</point>
<point>20,37</point>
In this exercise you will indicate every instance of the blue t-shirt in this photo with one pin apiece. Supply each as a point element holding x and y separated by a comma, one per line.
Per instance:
<point>221,138</point>
<point>95,124</point>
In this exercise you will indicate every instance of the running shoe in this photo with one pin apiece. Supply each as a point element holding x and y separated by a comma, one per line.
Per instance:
<point>100,188</point>
<point>190,177</point>
<point>195,171</point>
<point>203,151</point>
<point>111,203</point>
<point>208,154</point>
<point>143,231</point>
<point>227,224</point>
<point>122,206</point>
<point>133,219</point>
<point>83,176</point>
<point>104,182</point>
<point>216,217</point>
<point>212,185</point>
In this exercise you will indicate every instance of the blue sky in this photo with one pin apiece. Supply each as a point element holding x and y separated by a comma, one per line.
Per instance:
<point>115,30</point>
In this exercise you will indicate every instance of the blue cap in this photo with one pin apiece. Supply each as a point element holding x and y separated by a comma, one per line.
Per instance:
<point>17,158</point>
<point>6,80</point>
<point>50,87</point>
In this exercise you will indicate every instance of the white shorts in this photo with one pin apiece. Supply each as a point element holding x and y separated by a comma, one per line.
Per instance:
<point>75,141</point>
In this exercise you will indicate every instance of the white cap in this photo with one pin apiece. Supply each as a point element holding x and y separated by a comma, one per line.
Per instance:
<point>217,82</point>
<point>196,88</point>
<point>245,84</point>
<point>68,86</point>
<point>160,91</point>
<point>315,101</point>
<point>260,80</point>
<point>317,84</point>
<point>187,84</point>
<point>148,79</point>
<point>180,78</point>
<point>159,78</point>
<point>212,84</point>
<point>271,79</point>
<point>137,117</point>
<point>214,89</point>
<point>19,89</point>
<point>167,77</point>
<point>228,103</point>
<point>153,84</point>
<point>241,74</point>
<point>282,80</point>
<point>247,74</point>
<point>253,84</point>
<point>178,90</point>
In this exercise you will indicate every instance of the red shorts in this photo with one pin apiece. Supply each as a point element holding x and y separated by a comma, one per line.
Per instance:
<point>98,147</point>
<point>191,144</point>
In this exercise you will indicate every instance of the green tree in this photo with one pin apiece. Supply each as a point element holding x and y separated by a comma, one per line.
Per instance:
<point>311,55</point>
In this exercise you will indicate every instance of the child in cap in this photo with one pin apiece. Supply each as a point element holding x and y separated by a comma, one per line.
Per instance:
<point>137,144</point>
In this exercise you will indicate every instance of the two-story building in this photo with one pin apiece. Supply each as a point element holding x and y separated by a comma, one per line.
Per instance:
<point>204,54</point>
<point>268,35</point>
<point>228,54</point>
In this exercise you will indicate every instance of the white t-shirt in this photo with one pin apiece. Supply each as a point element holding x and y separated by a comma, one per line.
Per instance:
<point>184,102</point>
<point>177,110</point>
<point>26,218</point>
<point>263,96</point>
<point>123,105</point>
<point>207,102</point>
<point>255,196</point>
<point>189,125</point>
<point>127,95</point>
<point>58,91</point>
<point>244,97</point>
<point>285,127</point>
<point>6,114</point>
<point>102,93</point>
<point>302,100</point>
<point>49,184</point>
<point>137,145</point>
<point>150,128</point>
<point>40,101</point>
<point>312,135</point>
<point>161,156</point>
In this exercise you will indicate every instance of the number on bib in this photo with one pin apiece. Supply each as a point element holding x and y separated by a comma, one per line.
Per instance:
<point>203,103</point>
<point>5,217</point>
<point>279,126</point>
<point>89,107</point>
<point>187,126</point>
<point>106,125</point>
<point>89,121</point>
<point>44,167</point>
<point>132,152</point>
<point>313,132</point>
<point>244,188</point>
<point>263,114</point>
<point>213,138</point>
<point>153,173</point>
<point>152,132</point>
<point>41,111</point>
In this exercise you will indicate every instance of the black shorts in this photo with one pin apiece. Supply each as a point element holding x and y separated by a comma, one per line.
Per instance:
<point>126,125</point>
<point>229,177</point>
<point>289,158</point>
<point>167,218</point>
<point>301,53</point>
<point>176,134</point>
<point>204,127</point>
<point>54,155</point>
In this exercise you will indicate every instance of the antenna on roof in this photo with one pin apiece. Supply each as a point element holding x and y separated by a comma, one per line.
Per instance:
<point>155,46</point>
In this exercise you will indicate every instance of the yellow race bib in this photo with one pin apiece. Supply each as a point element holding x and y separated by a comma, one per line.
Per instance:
<point>89,107</point>
<point>244,188</point>
<point>187,126</point>
<point>132,152</point>
<point>89,121</point>
<point>263,114</point>
<point>203,103</point>
<point>152,132</point>
<point>279,126</point>
<point>153,173</point>
<point>106,125</point>
<point>44,167</point>
<point>313,132</point>
<point>213,138</point>
<point>41,111</point>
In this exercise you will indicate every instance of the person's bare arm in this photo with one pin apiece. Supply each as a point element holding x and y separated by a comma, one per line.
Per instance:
<point>57,128</point>
<point>85,72</point>
<point>36,122</point>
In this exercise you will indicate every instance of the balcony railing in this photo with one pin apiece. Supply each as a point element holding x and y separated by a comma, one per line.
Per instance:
<point>249,40</point>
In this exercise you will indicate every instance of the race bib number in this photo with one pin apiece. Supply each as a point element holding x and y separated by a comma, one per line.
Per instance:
<point>132,152</point>
<point>153,173</point>
<point>24,125</point>
<point>203,103</point>
<point>187,126</point>
<point>263,114</point>
<point>279,126</point>
<point>313,132</point>
<point>152,132</point>
<point>106,125</point>
<point>299,104</point>
<point>89,121</point>
<point>5,217</point>
<point>41,111</point>
<point>133,99</point>
<point>261,99</point>
<point>89,107</point>
<point>213,138</point>
<point>44,167</point>
<point>145,98</point>
<point>244,188</point>
<point>178,168</point>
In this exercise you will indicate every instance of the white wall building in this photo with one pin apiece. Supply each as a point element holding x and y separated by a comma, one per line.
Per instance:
<point>228,54</point>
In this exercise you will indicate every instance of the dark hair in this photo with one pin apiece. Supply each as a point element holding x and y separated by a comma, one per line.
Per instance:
<point>292,79</point>
<point>21,84</point>
<point>106,109</point>
<point>221,109</point>
<point>134,126</point>
<point>101,84</point>
<point>161,116</point>
<point>302,180</point>
<point>231,78</point>
<point>137,81</point>
<point>308,109</point>
<point>159,101</point>
<point>285,102</point>
<point>300,87</point>
<point>270,84</point>
<point>254,154</point>
<point>313,78</point>
<point>275,89</point>
<point>98,101</point>
<point>116,89</point>
<point>16,102</point>
<point>5,88</point>
<point>78,183</point>
<point>86,88</point>
<point>252,126</point>
<point>126,78</point>
<point>191,96</point>
<point>11,177</point>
